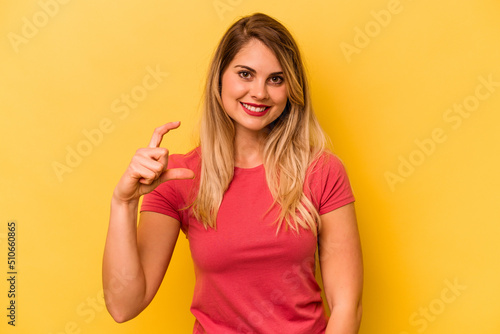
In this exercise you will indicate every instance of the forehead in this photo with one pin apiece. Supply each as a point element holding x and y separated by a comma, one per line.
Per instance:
<point>258,56</point>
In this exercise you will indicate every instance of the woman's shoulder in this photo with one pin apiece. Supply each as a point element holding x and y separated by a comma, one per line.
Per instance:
<point>327,167</point>
<point>328,182</point>
<point>326,159</point>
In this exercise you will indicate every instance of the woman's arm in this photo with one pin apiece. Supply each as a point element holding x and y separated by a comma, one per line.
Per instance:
<point>341,269</point>
<point>136,258</point>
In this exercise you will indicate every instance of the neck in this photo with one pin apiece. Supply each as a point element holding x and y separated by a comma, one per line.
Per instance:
<point>248,149</point>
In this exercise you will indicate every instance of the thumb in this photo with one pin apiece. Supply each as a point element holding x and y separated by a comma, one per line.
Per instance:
<point>177,174</point>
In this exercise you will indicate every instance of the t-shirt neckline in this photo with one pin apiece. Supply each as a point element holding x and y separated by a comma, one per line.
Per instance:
<point>250,169</point>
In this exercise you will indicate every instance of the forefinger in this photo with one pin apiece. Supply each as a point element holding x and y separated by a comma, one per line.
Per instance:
<point>160,132</point>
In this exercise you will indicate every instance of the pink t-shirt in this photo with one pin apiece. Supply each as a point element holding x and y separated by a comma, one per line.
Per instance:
<point>248,278</point>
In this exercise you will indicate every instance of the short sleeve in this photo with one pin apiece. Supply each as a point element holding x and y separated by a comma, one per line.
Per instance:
<point>329,184</point>
<point>171,198</point>
<point>163,200</point>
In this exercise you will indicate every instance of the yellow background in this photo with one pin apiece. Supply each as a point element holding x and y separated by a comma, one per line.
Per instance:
<point>438,225</point>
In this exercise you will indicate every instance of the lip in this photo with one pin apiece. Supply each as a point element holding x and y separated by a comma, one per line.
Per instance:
<point>255,113</point>
<point>256,105</point>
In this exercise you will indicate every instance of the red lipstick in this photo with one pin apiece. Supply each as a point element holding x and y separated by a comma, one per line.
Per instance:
<point>255,113</point>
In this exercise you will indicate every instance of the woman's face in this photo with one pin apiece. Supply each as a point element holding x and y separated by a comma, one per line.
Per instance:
<point>253,88</point>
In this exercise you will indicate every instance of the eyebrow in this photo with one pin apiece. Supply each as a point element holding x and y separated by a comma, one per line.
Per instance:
<point>254,71</point>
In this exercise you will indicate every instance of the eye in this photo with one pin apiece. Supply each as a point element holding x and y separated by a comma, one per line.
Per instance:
<point>276,80</point>
<point>244,74</point>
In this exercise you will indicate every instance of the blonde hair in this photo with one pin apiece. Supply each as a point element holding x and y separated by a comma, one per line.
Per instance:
<point>293,141</point>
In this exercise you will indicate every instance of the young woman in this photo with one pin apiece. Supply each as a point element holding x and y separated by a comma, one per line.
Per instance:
<point>256,199</point>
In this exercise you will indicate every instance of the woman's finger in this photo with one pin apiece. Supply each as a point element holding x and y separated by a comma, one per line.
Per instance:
<point>177,174</point>
<point>160,132</point>
<point>143,174</point>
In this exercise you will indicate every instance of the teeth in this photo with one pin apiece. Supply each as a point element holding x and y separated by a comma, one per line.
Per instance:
<point>252,108</point>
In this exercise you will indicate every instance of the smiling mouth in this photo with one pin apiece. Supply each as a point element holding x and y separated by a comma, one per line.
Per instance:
<point>258,109</point>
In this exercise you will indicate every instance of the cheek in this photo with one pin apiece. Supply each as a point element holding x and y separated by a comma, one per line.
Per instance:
<point>280,96</point>
<point>231,88</point>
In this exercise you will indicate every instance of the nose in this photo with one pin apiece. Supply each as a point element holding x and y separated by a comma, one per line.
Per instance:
<point>258,90</point>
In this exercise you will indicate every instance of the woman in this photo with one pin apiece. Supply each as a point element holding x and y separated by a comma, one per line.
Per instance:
<point>255,199</point>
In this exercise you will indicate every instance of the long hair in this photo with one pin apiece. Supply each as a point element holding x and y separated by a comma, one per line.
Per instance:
<point>294,140</point>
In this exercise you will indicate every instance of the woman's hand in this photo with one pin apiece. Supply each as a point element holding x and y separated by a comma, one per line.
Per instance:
<point>148,169</point>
